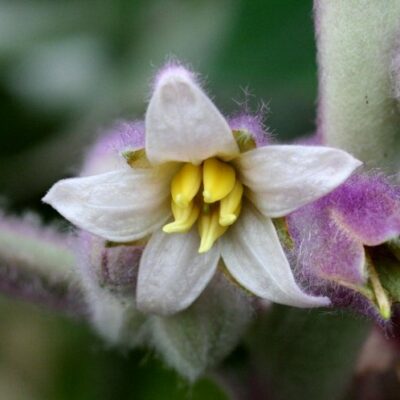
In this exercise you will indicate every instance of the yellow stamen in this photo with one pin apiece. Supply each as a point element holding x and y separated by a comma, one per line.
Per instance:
<point>184,218</point>
<point>185,184</point>
<point>218,180</point>
<point>196,191</point>
<point>209,230</point>
<point>230,205</point>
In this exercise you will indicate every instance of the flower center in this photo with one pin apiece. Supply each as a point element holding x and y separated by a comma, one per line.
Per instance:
<point>209,194</point>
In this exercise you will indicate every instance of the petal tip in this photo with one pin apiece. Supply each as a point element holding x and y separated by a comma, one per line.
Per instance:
<point>322,301</point>
<point>172,73</point>
<point>355,161</point>
<point>358,163</point>
<point>352,161</point>
<point>60,194</point>
<point>48,198</point>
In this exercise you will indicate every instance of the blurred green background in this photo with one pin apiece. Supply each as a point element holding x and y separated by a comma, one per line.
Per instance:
<point>67,70</point>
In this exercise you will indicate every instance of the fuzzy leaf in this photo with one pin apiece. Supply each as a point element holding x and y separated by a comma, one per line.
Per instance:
<point>202,335</point>
<point>117,322</point>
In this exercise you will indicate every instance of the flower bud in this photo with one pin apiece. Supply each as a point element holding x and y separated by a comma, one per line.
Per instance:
<point>338,243</point>
<point>109,276</point>
<point>109,271</point>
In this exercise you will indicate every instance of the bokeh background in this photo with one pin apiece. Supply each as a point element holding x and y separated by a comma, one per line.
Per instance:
<point>68,68</point>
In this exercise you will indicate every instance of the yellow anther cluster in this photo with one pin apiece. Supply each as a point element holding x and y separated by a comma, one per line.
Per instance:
<point>210,194</point>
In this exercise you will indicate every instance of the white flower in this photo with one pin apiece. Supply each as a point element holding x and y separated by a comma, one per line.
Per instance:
<point>222,201</point>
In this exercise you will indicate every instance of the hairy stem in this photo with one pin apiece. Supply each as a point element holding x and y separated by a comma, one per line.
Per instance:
<point>37,265</point>
<point>357,41</point>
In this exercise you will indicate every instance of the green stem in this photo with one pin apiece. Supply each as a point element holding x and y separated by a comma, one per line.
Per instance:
<point>38,265</point>
<point>357,40</point>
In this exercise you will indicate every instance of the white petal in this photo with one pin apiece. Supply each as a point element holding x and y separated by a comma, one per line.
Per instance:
<point>255,258</point>
<point>172,273</point>
<point>284,178</point>
<point>119,206</point>
<point>182,124</point>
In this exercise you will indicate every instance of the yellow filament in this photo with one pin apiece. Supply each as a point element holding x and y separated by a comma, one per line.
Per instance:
<point>185,184</point>
<point>184,218</point>
<point>230,205</point>
<point>209,230</point>
<point>218,180</point>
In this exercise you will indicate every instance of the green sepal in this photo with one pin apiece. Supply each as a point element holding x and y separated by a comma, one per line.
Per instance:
<point>281,227</point>
<point>136,158</point>
<point>244,140</point>
<point>388,268</point>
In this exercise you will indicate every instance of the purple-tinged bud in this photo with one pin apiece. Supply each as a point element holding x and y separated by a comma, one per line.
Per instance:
<point>330,238</point>
<point>369,206</point>
<point>113,266</point>
<point>331,232</point>
<point>109,274</point>
<point>109,270</point>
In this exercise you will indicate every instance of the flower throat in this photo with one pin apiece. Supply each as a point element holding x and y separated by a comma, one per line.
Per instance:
<point>209,194</point>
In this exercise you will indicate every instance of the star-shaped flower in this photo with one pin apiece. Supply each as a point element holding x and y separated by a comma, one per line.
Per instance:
<point>202,193</point>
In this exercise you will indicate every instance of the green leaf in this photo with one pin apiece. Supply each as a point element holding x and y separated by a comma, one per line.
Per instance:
<point>388,268</point>
<point>307,355</point>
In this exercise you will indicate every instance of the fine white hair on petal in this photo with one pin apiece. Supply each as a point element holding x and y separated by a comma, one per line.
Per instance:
<point>255,258</point>
<point>172,273</point>
<point>283,178</point>
<point>182,123</point>
<point>120,206</point>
